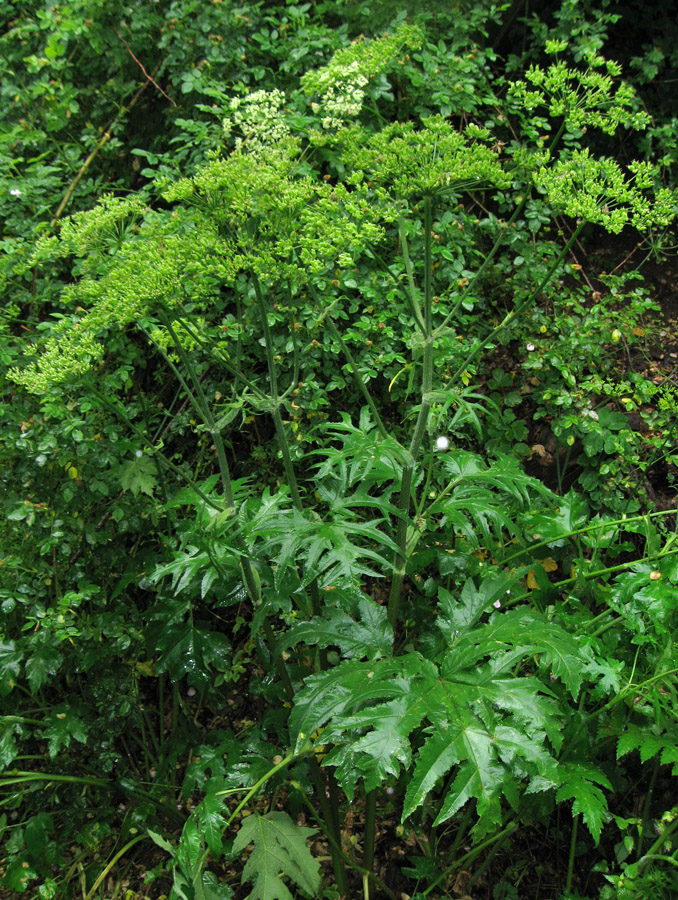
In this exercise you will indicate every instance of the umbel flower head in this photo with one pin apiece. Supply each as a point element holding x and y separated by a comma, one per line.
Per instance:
<point>337,91</point>
<point>260,120</point>
<point>253,213</point>
<point>593,98</point>
<point>410,161</point>
<point>157,265</point>
<point>599,191</point>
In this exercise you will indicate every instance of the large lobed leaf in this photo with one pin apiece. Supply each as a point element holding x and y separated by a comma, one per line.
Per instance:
<point>371,637</point>
<point>279,851</point>
<point>491,728</point>
<point>464,716</point>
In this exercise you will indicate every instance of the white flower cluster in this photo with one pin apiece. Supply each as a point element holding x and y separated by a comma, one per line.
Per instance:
<point>343,97</point>
<point>260,120</point>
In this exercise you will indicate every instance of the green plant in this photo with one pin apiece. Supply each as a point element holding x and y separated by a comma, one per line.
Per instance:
<point>474,695</point>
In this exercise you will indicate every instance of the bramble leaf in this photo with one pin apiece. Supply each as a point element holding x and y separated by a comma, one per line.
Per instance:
<point>45,661</point>
<point>188,650</point>
<point>62,725</point>
<point>139,476</point>
<point>8,746</point>
<point>10,665</point>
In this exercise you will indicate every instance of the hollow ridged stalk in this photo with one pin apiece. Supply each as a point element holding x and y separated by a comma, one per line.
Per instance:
<point>369,839</point>
<point>202,408</point>
<point>275,401</point>
<point>423,415</point>
<point>328,805</point>
<point>570,861</point>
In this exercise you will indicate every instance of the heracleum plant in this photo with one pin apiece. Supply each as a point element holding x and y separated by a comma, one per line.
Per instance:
<point>456,694</point>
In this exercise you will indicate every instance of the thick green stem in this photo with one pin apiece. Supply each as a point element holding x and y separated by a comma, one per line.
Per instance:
<point>250,576</point>
<point>23,720</point>
<point>596,574</point>
<point>462,831</point>
<point>370,875</point>
<point>357,378</point>
<point>413,294</point>
<point>275,400</point>
<point>281,436</point>
<point>369,836</point>
<point>646,807</point>
<point>471,855</point>
<point>21,777</point>
<point>202,407</point>
<point>404,500</point>
<point>573,847</point>
<point>331,818</point>
<point>272,376</point>
<point>625,520</point>
<point>428,267</point>
<point>286,458</point>
<point>658,844</point>
<point>329,806</point>
<point>102,875</point>
<point>288,760</point>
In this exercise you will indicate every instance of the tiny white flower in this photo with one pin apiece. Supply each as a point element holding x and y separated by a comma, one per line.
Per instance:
<point>442,442</point>
<point>530,347</point>
<point>15,192</point>
<point>138,453</point>
<point>497,604</point>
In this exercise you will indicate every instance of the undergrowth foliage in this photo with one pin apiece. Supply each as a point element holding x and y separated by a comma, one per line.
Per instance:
<point>428,626</point>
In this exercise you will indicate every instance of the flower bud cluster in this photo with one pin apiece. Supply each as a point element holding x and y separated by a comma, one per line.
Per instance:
<point>343,98</point>
<point>260,120</point>
<point>339,87</point>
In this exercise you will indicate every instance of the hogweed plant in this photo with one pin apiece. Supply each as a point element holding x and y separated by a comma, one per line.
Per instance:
<point>417,653</point>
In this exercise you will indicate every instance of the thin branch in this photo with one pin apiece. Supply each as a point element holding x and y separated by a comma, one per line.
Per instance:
<point>105,138</point>
<point>149,77</point>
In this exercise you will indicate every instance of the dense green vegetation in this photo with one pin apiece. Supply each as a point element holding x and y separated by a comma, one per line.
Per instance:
<point>338,465</point>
